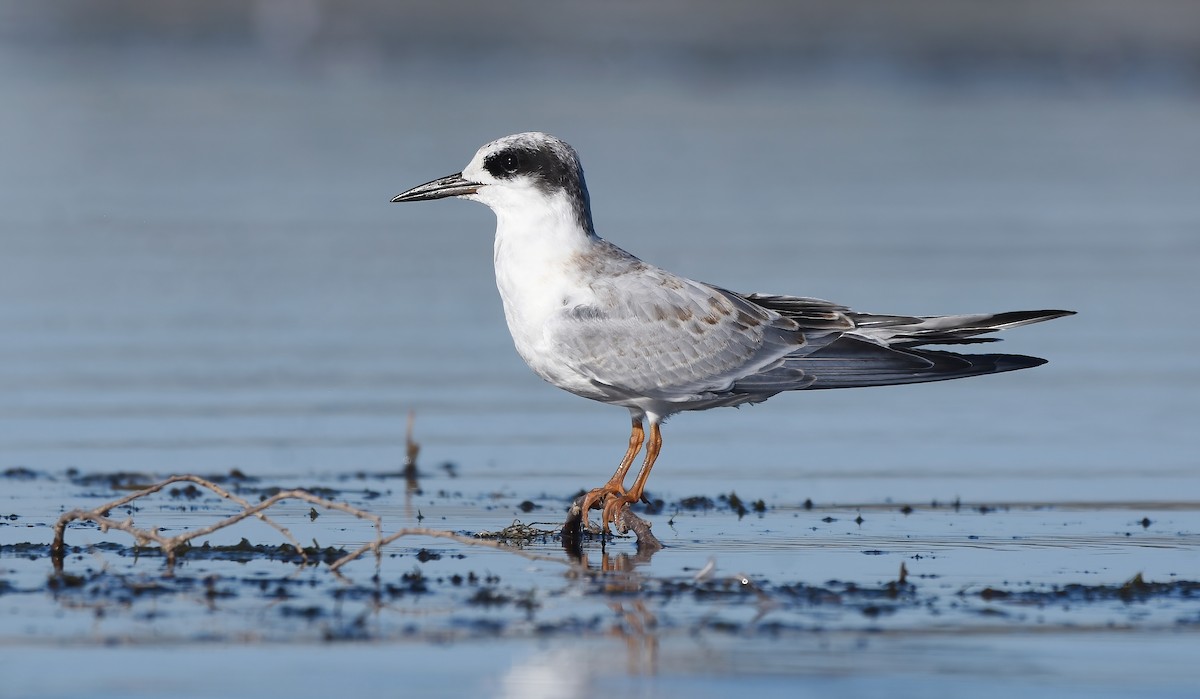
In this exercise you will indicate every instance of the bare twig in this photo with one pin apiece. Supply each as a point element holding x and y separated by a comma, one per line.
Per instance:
<point>171,545</point>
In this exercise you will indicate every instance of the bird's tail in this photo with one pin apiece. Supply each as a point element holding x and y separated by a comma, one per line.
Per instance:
<point>915,331</point>
<point>884,350</point>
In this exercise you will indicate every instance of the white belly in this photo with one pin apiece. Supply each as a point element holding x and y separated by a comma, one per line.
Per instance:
<point>536,283</point>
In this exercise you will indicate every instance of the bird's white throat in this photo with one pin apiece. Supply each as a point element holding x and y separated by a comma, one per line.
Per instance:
<point>538,244</point>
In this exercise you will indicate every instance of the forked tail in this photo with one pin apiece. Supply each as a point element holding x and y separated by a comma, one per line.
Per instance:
<point>883,350</point>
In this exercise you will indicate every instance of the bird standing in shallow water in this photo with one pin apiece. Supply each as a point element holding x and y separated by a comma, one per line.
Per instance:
<point>594,320</point>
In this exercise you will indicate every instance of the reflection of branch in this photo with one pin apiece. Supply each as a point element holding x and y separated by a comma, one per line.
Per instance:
<point>171,545</point>
<point>382,541</point>
<point>411,450</point>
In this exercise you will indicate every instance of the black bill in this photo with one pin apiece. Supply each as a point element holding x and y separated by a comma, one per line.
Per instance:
<point>449,186</point>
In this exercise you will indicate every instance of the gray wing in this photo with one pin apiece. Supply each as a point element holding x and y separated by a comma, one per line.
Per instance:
<point>650,333</point>
<point>654,334</point>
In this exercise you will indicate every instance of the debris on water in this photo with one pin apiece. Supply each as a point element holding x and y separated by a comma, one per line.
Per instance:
<point>653,506</point>
<point>191,492</point>
<point>707,571</point>
<point>488,597</point>
<point>318,491</point>
<point>415,581</point>
<point>21,473</point>
<point>310,612</point>
<point>518,533</point>
<point>735,504</point>
<point>117,480</point>
<point>425,555</point>
<point>696,502</point>
<point>245,550</point>
<point>60,581</point>
<point>1135,586</point>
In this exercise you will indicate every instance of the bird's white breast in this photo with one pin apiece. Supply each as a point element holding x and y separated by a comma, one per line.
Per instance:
<point>537,274</point>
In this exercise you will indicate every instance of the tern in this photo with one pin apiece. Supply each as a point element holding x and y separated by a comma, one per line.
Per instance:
<point>594,320</point>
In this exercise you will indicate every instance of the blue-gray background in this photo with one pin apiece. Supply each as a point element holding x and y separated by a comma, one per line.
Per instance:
<point>200,269</point>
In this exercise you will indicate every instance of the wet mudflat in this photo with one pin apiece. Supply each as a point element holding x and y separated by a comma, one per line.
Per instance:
<point>748,591</point>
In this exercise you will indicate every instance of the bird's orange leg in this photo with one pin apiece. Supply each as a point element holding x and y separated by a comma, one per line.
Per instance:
<point>616,485</point>
<point>613,505</point>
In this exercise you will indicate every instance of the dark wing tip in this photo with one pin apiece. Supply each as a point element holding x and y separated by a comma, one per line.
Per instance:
<point>1050,314</point>
<point>1012,362</point>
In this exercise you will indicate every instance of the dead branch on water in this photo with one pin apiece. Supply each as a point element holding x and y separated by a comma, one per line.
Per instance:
<point>172,545</point>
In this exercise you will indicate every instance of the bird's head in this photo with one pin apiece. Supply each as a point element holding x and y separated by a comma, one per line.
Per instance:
<point>522,171</point>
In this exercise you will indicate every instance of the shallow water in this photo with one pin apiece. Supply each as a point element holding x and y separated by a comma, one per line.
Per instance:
<point>1099,597</point>
<point>201,272</point>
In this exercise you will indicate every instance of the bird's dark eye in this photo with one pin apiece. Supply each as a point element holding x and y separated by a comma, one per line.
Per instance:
<point>505,163</point>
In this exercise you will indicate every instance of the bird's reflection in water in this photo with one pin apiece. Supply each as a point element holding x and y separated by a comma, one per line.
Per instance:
<point>616,563</point>
<point>638,627</point>
<point>634,623</point>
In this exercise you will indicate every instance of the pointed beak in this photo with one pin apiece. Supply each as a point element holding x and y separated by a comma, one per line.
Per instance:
<point>449,186</point>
